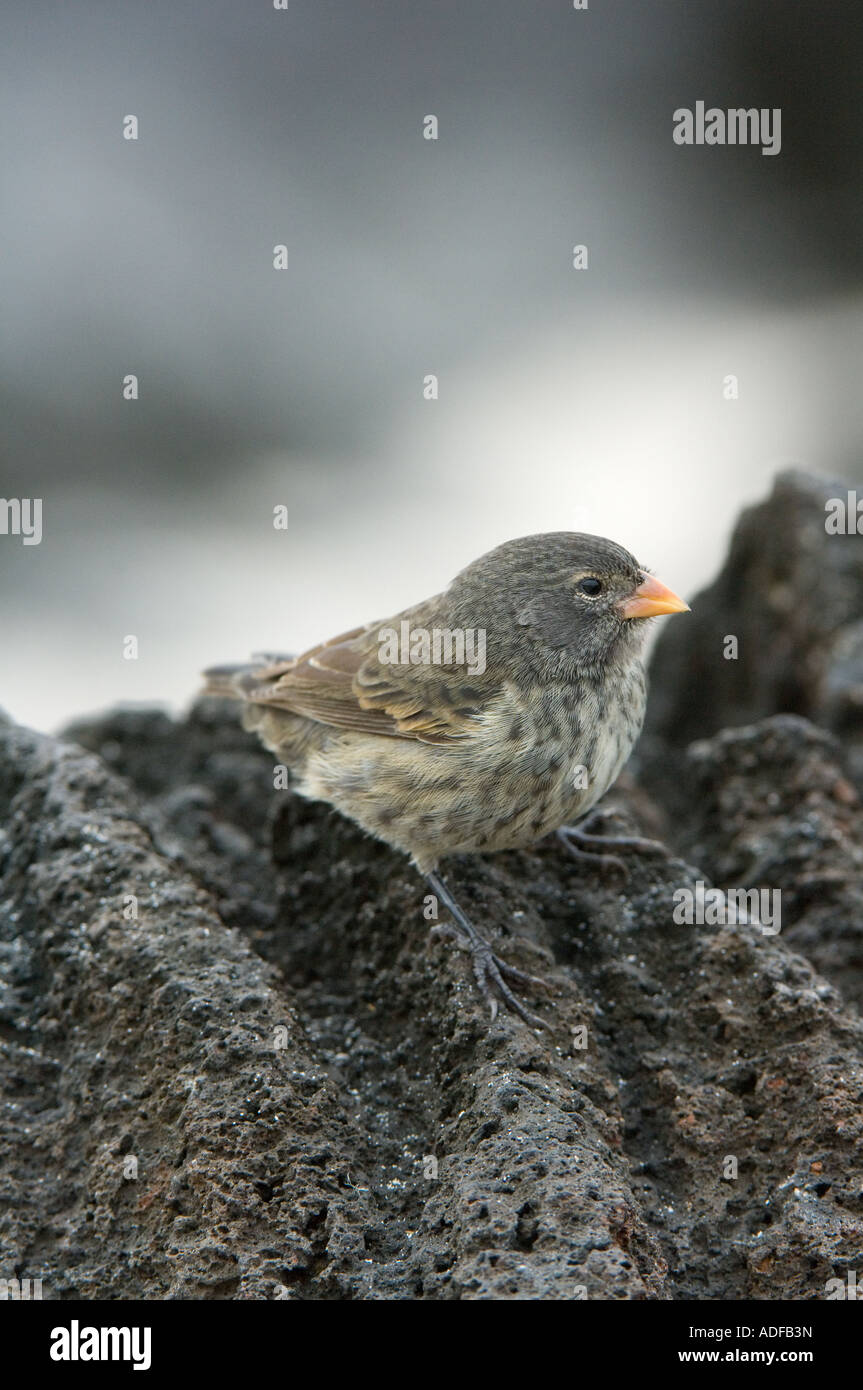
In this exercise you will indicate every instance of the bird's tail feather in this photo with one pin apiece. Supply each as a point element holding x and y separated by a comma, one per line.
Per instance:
<point>234,682</point>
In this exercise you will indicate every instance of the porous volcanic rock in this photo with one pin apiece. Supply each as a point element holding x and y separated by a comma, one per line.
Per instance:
<point>235,1063</point>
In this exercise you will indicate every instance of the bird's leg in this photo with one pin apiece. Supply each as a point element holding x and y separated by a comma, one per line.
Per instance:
<point>584,845</point>
<point>490,971</point>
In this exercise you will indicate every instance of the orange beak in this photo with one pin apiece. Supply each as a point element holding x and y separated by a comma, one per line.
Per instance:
<point>650,600</point>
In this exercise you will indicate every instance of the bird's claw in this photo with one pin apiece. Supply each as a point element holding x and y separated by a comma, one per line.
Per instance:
<point>491,973</point>
<point>582,844</point>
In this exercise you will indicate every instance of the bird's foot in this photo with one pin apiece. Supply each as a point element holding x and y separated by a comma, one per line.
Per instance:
<point>582,844</point>
<point>491,973</point>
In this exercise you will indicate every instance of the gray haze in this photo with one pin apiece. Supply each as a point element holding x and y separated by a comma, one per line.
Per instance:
<point>583,400</point>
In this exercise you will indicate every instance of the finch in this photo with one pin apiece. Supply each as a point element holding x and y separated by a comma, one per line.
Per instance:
<point>480,720</point>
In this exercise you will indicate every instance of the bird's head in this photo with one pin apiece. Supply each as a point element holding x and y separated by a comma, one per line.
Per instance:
<point>582,600</point>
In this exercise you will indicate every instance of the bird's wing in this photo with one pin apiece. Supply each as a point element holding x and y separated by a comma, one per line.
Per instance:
<point>344,683</point>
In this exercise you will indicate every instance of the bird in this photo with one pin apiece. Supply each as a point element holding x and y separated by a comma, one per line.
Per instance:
<point>479,720</point>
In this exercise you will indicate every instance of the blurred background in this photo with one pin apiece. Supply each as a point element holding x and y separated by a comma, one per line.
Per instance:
<point>567,399</point>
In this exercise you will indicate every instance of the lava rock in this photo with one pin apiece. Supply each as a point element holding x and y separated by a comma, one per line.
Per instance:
<point>236,1063</point>
<point>310,1103</point>
<point>777,632</point>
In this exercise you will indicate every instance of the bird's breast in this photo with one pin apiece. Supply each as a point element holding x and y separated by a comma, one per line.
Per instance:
<point>565,745</point>
<point>537,759</point>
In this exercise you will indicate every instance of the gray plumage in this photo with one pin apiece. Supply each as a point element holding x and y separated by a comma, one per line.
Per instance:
<point>437,760</point>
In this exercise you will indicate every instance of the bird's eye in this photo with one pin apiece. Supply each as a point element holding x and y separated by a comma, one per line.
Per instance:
<point>590,586</point>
